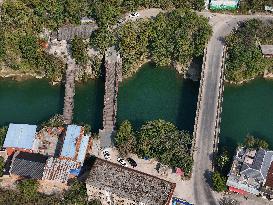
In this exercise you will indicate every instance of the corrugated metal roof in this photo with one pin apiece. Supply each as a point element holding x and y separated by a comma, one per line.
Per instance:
<point>83,148</point>
<point>69,146</point>
<point>20,136</point>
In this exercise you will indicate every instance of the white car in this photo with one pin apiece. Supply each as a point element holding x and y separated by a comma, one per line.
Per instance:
<point>134,15</point>
<point>106,154</point>
<point>122,162</point>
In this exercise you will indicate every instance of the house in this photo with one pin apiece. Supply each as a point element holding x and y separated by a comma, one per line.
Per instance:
<point>267,50</point>
<point>114,184</point>
<point>47,140</point>
<point>20,137</point>
<point>28,165</point>
<point>59,170</point>
<point>223,4</point>
<point>75,143</point>
<point>249,170</point>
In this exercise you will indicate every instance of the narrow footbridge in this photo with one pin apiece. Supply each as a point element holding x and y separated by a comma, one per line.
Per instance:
<point>69,91</point>
<point>113,75</point>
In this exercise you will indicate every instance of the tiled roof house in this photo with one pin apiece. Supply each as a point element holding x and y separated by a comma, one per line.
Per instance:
<point>111,182</point>
<point>249,170</point>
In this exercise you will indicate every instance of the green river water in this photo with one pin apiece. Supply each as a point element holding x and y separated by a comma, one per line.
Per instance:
<point>152,93</point>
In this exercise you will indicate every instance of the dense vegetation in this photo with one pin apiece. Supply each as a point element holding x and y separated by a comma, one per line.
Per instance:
<point>245,60</point>
<point>23,48</point>
<point>255,143</point>
<point>218,182</point>
<point>157,139</point>
<point>79,51</point>
<point>170,38</point>
<point>257,5</point>
<point>27,194</point>
<point>107,12</point>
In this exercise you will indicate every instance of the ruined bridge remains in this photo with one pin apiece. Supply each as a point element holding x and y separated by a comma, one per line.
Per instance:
<point>69,91</point>
<point>113,75</point>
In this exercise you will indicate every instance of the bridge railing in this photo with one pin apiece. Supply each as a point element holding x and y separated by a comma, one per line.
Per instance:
<point>219,102</point>
<point>200,94</point>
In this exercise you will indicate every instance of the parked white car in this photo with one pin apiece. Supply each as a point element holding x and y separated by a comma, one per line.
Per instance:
<point>106,154</point>
<point>134,15</point>
<point>122,162</point>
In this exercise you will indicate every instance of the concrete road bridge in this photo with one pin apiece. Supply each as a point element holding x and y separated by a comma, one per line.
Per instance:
<point>207,122</point>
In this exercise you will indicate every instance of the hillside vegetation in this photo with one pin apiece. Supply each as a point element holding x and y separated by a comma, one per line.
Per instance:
<point>170,38</point>
<point>245,60</point>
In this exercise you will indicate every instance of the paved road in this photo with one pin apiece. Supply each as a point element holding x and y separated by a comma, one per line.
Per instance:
<point>222,25</point>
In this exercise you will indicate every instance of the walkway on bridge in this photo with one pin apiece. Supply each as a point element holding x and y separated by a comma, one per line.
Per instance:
<point>69,91</point>
<point>113,75</point>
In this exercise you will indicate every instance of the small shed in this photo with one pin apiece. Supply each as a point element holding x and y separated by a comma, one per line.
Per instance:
<point>267,50</point>
<point>20,136</point>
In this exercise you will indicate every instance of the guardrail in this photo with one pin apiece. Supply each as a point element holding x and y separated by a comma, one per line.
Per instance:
<point>219,103</point>
<point>200,93</point>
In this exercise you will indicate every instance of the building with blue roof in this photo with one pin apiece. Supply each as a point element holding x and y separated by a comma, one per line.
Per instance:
<point>75,143</point>
<point>83,148</point>
<point>69,146</point>
<point>20,136</point>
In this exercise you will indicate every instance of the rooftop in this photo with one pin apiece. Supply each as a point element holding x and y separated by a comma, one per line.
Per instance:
<point>20,136</point>
<point>267,49</point>
<point>73,132</point>
<point>58,169</point>
<point>129,184</point>
<point>46,140</point>
<point>28,165</point>
<point>75,143</point>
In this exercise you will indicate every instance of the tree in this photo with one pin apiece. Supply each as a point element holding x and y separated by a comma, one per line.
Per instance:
<point>162,140</point>
<point>223,159</point>
<point>102,39</point>
<point>3,132</point>
<point>76,195</point>
<point>218,182</point>
<point>28,188</point>
<point>29,48</point>
<point>79,50</point>
<point>255,143</point>
<point>125,139</point>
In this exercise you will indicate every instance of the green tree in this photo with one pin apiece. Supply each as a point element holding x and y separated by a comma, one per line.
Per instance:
<point>76,195</point>
<point>223,159</point>
<point>125,139</point>
<point>3,132</point>
<point>218,182</point>
<point>79,50</point>
<point>29,48</point>
<point>255,143</point>
<point>162,140</point>
<point>102,39</point>
<point>28,188</point>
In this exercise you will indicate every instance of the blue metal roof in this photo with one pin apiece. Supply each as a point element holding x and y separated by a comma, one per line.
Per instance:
<point>20,136</point>
<point>75,172</point>
<point>83,148</point>
<point>69,146</point>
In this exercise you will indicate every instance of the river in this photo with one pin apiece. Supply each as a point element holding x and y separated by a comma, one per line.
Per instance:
<point>151,94</point>
<point>247,109</point>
